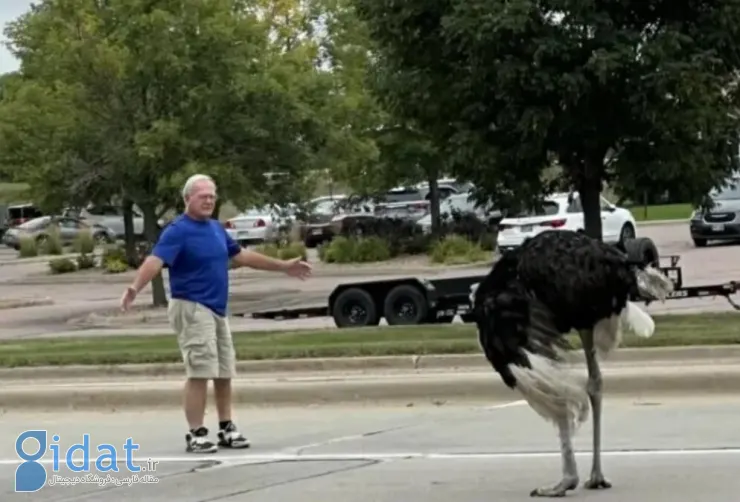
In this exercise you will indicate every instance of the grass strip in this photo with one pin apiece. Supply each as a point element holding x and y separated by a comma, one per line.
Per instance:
<point>672,331</point>
<point>662,212</point>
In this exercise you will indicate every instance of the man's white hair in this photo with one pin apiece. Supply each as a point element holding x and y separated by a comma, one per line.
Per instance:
<point>190,183</point>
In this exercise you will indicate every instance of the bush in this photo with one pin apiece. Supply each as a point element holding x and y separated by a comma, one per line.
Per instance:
<point>84,242</point>
<point>355,250</point>
<point>62,266</point>
<point>27,247</point>
<point>401,236</point>
<point>85,261</point>
<point>468,225</point>
<point>286,251</point>
<point>456,249</point>
<point>52,242</point>
<point>113,253</point>
<point>116,266</point>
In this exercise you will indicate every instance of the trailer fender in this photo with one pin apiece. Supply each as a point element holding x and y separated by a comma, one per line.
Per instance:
<point>406,304</point>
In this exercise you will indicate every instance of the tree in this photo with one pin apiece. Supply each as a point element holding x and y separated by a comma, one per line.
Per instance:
<point>131,97</point>
<point>605,90</point>
<point>392,150</point>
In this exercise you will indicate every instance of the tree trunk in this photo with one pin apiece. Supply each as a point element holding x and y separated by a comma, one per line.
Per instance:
<point>151,232</point>
<point>434,201</point>
<point>589,189</point>
<point>128,232</point>
<point>217,209</point>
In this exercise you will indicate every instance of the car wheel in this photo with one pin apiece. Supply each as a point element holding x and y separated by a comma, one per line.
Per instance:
<point>700,243</point>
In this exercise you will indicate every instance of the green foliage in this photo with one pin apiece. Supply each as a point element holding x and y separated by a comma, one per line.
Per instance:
<point>284,251</point>
<point>116,266</point>
<point>84,242</point>
<point>27,247</point>
<point>85,261</point>
<point>607,92</point>
<point>51,242</point>
<point>355,250</point>
<point>456,250</point>
<point>62,266</point>
<point>113,253</point>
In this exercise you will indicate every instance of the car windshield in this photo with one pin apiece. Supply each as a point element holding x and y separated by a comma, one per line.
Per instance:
<point>730,191</point>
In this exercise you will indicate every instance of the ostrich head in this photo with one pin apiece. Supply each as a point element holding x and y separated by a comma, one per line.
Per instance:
<point>653,284</point>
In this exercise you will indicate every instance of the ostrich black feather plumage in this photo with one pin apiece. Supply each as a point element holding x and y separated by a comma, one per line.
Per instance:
<point>554,283</point>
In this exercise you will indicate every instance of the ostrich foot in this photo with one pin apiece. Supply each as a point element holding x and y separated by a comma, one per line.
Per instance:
<point>559,490</point>
<point>597,482</point>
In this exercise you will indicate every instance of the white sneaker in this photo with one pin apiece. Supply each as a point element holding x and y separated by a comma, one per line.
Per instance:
<point>198,442</point>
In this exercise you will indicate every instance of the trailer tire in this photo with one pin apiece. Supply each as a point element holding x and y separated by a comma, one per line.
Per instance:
<point>642,250</point>
<point>413,308</point>
<point>354,308</point>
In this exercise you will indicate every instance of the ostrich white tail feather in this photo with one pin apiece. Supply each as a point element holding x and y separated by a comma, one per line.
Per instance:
<point>637,321</point>
<point>552,391</point>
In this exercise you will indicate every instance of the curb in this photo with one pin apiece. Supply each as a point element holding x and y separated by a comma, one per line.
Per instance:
<point>703,354</point>
<point>404,388</point>
<point>10,303</point>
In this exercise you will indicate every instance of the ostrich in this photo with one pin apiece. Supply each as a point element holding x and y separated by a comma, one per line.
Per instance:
<point>556,282</point>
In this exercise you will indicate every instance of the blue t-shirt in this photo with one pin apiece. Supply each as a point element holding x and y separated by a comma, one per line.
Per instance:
<point>197,254</point>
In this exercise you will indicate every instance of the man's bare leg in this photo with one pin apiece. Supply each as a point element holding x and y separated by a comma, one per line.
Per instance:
<point>196,392</point>
<point>222,389</point>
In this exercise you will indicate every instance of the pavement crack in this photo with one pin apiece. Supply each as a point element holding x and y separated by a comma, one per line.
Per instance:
<point>95,494</point>
<point>368,463</point>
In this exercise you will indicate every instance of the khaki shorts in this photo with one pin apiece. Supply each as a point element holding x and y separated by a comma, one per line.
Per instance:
<point>204,339</point>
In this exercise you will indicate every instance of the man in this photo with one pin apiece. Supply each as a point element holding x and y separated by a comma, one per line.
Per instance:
<point>197,250</point>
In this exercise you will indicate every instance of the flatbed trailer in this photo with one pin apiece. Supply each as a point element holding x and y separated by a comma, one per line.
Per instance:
<point>417,300</point>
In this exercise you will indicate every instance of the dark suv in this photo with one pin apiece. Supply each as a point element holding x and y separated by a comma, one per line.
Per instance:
<point>720,220</point>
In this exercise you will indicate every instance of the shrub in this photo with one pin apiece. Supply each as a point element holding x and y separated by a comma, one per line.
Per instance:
<point>286,251</point>
<point>456,249</point>
<point>468,225</point>
<point>116,266</point>
<point>62,266</point>
<point>84,242</point>
<point>27,247</point>
<point>355,250</point>
<point>112,253</point>
<point>401,236</point>
<point>52,242</point>
<point>85,261</point>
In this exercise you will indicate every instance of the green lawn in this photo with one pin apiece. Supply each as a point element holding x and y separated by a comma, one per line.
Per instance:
<point>684,330</point>
<point>663,212</point>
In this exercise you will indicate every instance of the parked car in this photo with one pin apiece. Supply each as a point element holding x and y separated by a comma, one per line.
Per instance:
<point>462,203</point>
<point>69,229</point>
<point>564,212</point>
<point>110,216</point>
<point>347,209</point>
<point>720,220</point>
<point>257,225</point>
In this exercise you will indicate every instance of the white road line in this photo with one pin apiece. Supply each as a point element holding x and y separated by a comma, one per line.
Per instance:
<point>274,457</point>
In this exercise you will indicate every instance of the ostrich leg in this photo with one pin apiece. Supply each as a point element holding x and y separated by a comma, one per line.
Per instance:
<point>596,481</point>
<point>570,471</point>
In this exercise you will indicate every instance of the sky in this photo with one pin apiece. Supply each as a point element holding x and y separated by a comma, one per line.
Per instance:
<point>9,11</point>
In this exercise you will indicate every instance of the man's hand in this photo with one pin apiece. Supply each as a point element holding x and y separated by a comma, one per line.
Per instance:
<point>128,298</point>
<point>298,268</point>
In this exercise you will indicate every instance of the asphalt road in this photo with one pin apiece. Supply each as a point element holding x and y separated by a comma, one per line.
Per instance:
<point>683,449</point>
<point>711,265</point>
